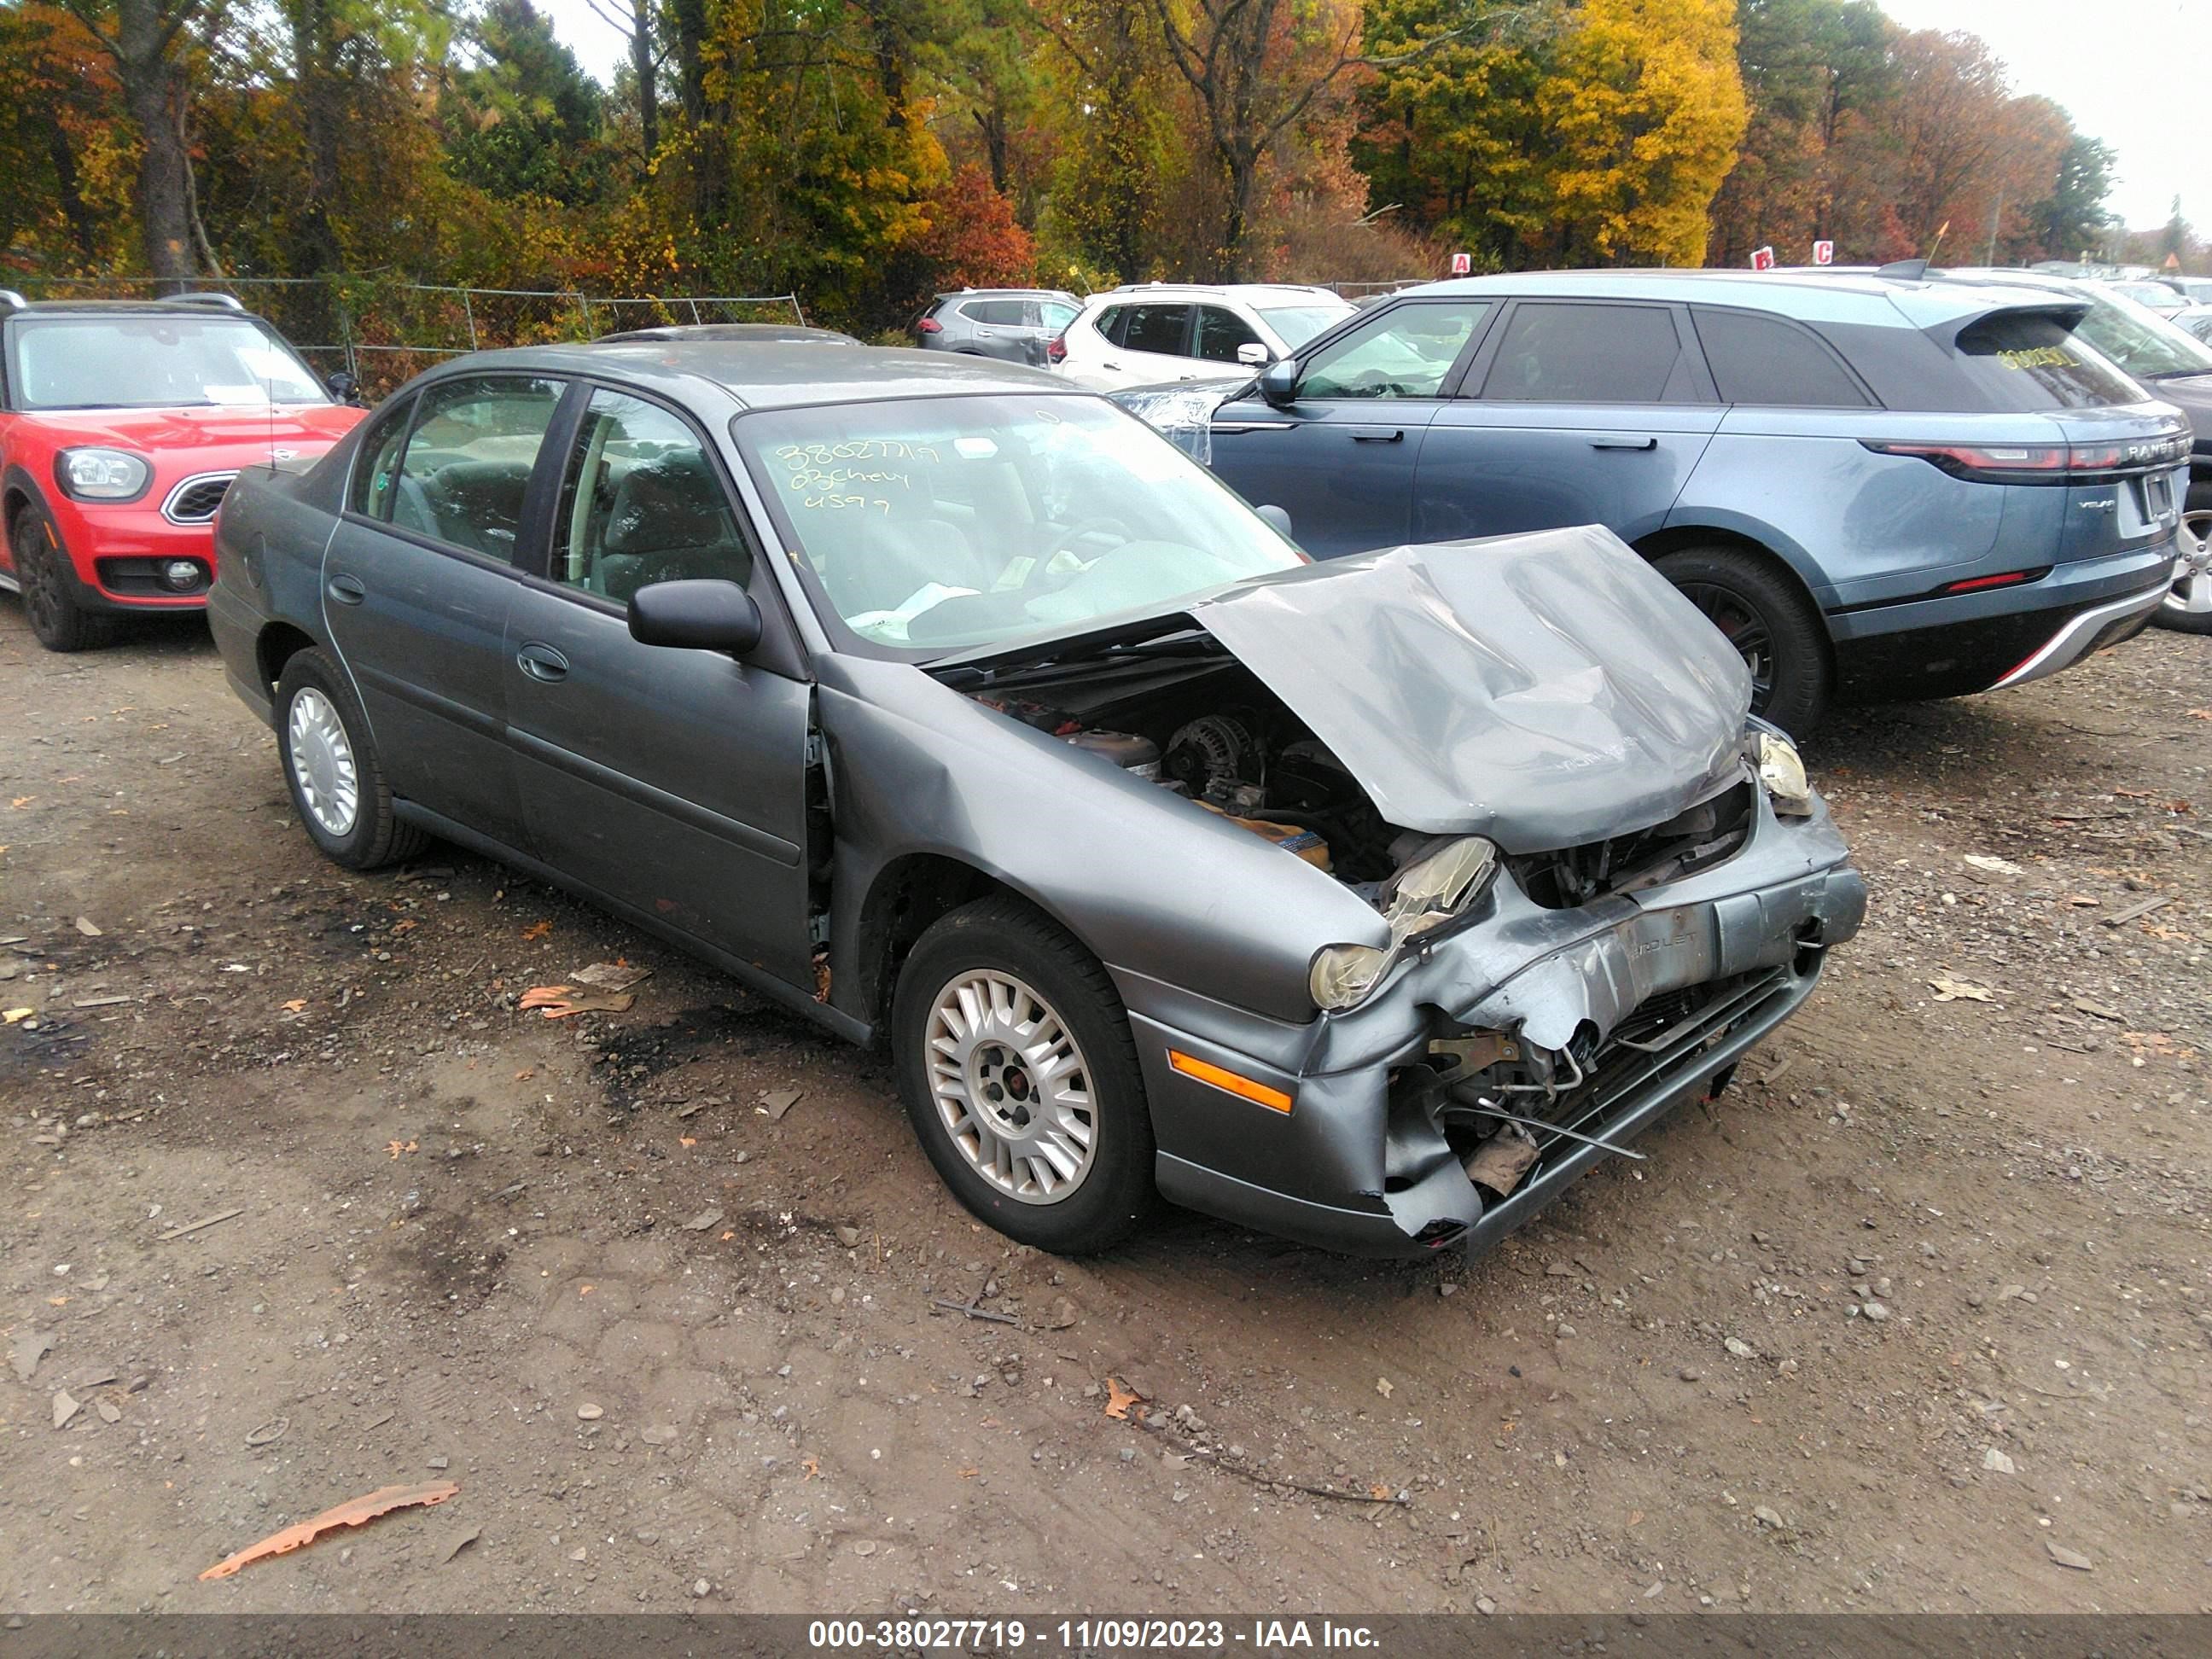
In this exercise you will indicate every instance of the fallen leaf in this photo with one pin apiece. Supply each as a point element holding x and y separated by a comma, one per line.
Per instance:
<point>537,930</point>
<point>686,1140</point>
<point>405,926</point>
<point>15,1014</point>
<point>727,1236</point>
<point>1954,990</point>
<point>1119,1396</point>
<point>396,1147</point>
<point>812,1465</point>
<point>1382,1387</point>
<point>88,927</point>
<point>1379,1492</point>
<point>296,1004</point>
<point>57,1302</point>
<point>585,1290</point>
<point>525,1074</point>
<point>564,1001</point>
<point>22,800</point>
<point>355,1512</point>
<point>969,1474</point>
<point>2171,934</point>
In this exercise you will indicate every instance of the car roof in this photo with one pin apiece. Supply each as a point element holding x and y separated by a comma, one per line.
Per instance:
<point>1810,294</point>
<point>210,304</point>
<point>794,333</point>
<point>1231,290</point>
<point>1006,294</point>
<point>769,374</point>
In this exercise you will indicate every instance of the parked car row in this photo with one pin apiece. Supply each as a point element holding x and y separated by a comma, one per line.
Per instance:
<point>1367,887</point>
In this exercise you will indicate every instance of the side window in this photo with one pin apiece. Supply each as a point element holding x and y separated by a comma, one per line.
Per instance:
<point>469,461</point>
<point>1404,353</point>
<point>1220,332</point>
<point>1113,323</point>
<point>639,503</point>
<point>1768,360</point>
<point>376,467</point>
<point>995,314</point>
<point>1057,314</point>
<point>1157,328</point>
<point>1584,354</point>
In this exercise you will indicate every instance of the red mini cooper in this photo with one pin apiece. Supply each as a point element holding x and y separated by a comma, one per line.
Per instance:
<point>121,425</point>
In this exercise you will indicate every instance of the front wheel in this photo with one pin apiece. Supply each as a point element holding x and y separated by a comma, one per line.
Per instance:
<point>330,766</point>
<point>1773,628</point>
<point>1016,1067</point>
<point>2187,608</point>
<point>50,604</point>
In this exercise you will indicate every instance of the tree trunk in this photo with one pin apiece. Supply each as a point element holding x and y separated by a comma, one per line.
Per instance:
<point>153,91</point>
<point>648,95</point>
<point>314,91</point>
<point>84,229</point>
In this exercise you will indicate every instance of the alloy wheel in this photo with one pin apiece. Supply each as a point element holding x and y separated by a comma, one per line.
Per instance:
<point>36,572</point>
<point>323,764</point>
<point>1010,1085</point>
<point>1745,628</point>
<point>2192,592</point>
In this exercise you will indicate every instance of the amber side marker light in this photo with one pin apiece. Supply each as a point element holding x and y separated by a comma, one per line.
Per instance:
<point>1221,1078</point>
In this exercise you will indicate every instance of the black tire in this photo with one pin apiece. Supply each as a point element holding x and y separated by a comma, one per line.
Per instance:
<point>1767,619</point>
<point>50,604</point>
<point>1004,935</point>
<point>374,836</point>
<point>2197,509</point>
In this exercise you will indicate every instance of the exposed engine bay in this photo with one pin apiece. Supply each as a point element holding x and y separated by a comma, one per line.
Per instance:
<point>1204,728</point>
<point>1222,741</point>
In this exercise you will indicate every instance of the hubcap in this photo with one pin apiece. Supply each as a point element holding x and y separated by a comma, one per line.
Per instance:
<point>1746,630</point>
<point>2191,593</point>
<point>1011,1086</point>
<point>322,762</point>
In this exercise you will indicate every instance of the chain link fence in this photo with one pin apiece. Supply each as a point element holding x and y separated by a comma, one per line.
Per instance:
<point>383,332</point>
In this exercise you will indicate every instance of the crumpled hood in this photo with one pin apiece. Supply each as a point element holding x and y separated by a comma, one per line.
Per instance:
<point>1543,689</point>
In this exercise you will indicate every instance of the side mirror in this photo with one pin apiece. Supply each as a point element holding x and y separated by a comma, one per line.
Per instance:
<point>1279,383</point>
<point>699,614</point>
<point>344,387</point>
<point>1275,516</point>
<point>1252,355</point>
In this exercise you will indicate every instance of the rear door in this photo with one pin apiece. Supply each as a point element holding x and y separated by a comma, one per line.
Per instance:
<point>996,328</point>
<point>1153,343</point>
<point>1341,459</point>
<point>672,781</point>
<point>1576,411</point>
<point>416,584</point>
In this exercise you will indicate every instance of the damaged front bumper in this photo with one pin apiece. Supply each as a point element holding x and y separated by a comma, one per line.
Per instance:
<point>1633,1004</point>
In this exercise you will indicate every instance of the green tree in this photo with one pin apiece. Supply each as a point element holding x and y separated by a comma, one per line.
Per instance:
<point>2072,222</point>
<point>527,120</point>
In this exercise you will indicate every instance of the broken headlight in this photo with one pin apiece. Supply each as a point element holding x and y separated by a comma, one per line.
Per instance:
<point>1424,894</point>
<point>1783,774</point>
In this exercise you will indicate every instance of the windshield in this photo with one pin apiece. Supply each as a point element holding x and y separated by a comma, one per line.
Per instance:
<point>1299,324</point>
<point>931,525</point>
<point>2156,294</point>
<point>2140,341</point>
<point>165,361</point>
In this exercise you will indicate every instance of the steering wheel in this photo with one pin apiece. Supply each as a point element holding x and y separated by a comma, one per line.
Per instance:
<point>1065,542</point>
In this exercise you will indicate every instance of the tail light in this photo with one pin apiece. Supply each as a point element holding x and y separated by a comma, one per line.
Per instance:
<point>2046,463</point>
<point>1055,349</point>
<point>929,325</point>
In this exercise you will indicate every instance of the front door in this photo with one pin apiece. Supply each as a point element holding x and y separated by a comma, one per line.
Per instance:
<point>671,780</point>
<point>1340,459</point>
<point>416,583</point>
<point>1587,413</point>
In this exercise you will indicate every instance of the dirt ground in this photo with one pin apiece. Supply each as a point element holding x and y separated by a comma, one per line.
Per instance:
<point>1915,1318</point>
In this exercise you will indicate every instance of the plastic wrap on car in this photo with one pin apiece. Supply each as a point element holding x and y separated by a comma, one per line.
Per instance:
<point>1182,414</point>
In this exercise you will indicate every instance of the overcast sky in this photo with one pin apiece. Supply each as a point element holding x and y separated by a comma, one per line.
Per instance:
<point>2126,70</point>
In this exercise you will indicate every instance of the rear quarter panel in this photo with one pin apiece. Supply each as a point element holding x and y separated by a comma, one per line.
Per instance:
<point>269,537</point>
<point>1854,525</point>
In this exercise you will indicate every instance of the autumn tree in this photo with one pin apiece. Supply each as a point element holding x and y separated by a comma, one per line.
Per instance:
<point>145,41</point>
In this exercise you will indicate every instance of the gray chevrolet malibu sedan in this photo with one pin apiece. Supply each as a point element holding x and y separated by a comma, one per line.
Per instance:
<point>1369,902</point>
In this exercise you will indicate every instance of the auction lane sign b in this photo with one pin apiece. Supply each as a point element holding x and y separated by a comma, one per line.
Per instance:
<point>1762,259</point>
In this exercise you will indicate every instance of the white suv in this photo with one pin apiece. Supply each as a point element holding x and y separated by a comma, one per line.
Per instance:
<point>1153,332</point>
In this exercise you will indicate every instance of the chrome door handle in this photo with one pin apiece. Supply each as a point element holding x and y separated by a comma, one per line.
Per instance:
<point>345,589</point>
<point>1393,436</point>
<point>1621,441</point>
<point>542,662</point>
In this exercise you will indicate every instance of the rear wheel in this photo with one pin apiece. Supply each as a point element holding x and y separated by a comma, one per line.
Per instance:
<point>1771,625</point>
<point>330,766</point>
<point>1016,1067</point>
<point>2188,605</point>
<point>50,597</point>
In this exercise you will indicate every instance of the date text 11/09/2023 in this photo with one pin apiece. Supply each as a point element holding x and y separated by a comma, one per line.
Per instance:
<point>1088,1635</point>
